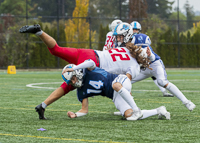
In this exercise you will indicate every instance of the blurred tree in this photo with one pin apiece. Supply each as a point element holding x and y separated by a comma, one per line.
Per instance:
<point>49,7</point>
<point>106,11</point>
<point>173,21</point>
<point>162,8</point>
<point>16,7</point>
<point>154,27</point>
<point>102,36</point>
<point>137,9</point>
<point>78,29</point>
<point>190,14</point>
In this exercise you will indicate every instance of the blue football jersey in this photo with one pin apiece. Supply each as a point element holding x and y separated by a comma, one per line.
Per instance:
<point>144,41</point>
<point>96,82</point>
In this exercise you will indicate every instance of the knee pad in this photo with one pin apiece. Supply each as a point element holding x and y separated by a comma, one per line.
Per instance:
<point>162,82</point>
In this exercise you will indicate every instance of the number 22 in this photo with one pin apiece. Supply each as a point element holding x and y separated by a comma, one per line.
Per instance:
<point>119,54</point>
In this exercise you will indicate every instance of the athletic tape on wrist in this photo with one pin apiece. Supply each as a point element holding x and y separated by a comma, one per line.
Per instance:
<point>78,114</point>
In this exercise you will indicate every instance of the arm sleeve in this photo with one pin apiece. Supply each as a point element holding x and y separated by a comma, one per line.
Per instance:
<point>86,64</point>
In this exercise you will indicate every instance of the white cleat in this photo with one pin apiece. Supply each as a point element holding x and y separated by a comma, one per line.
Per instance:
<point>163,112</point>
<point>117,113</point>
<point>166,94</point>
<point>135,116</point>
<point>190,105</point>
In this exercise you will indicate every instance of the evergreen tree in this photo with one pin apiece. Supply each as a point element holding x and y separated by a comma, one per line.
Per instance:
<point>162,8</point>
<point>190,14</point>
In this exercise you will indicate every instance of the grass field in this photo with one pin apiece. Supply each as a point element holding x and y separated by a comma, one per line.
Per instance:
<point>19,121</point>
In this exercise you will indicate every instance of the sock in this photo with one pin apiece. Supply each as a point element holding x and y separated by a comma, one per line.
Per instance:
<point>125,94</point>
<point>44,105</point>
<point>160,87</point>
<point>149,113</point>
<point>175,91</point>
<point>39,33</point>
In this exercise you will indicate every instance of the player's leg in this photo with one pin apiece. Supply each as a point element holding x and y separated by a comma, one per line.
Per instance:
<point>161,111</point>
<point>126,110</point>
<point>122,86</point>
<point>163,90</point>
<point>159,73</point>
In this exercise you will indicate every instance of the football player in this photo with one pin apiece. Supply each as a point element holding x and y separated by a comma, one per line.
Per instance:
<point>136,30</point>
<point>109,43</point>
<point>92,81</point>
<point>158,71</point>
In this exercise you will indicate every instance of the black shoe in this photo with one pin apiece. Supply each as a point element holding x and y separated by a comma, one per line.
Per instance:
<point>30,29</point>
<point>40,111</point>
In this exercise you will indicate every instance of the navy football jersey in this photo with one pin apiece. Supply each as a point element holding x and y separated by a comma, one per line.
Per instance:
<point>96,82</point>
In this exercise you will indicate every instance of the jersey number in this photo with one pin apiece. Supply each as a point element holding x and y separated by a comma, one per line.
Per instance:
<point>96,85</point>
<point>110,39</point>
<point>119,52</point>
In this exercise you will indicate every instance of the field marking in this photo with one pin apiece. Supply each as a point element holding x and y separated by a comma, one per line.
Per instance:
<point>66,139</point>
<point>34,85</point>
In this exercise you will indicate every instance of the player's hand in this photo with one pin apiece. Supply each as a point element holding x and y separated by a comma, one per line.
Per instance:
<point>148,52</point>
<point>108,47</point>
<point>67,70</point>
<point>71,114</point>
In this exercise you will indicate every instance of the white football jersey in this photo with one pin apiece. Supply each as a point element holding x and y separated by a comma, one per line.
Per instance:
<point>118,61</point>
<point>109,40</point>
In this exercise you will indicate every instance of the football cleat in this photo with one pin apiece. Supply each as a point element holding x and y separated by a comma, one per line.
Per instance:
<point>163,112</point>
<point>30,29</point>
<point>166,94</point>
<point>190,105</point>
<point>40,111</point>
<point>135,115</point>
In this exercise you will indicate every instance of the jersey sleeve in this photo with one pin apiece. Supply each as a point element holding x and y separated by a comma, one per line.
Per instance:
<point>86,64</point>
<point>133,40</point>
<point>133,71</point>
<point>148,41</point>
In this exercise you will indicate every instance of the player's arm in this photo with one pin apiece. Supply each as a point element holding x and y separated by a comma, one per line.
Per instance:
<point>151,56</point>
<point>89,64</point>
<point>82,112</point>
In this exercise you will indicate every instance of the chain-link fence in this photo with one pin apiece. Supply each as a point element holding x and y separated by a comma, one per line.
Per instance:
<point>173,34</point>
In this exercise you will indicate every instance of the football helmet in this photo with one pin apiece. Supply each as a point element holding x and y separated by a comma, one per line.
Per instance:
<point>114,24</point>
<point>67,76</point>
<point>124,29</point>
<point>136,25</point>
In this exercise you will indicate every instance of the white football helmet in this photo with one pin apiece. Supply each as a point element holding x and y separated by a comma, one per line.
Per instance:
<point>136,25</point>
<point>114,24</point>
<point>67,76</point>
<point>124,29</point>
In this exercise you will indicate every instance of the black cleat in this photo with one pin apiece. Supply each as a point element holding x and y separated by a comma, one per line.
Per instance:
<point>40,111</point>
<point>30,29</point>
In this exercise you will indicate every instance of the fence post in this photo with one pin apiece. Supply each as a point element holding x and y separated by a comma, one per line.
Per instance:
<point>58,37</point>
<point>27,50</point>
<point>90,40</point>
<point>178,36</point>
